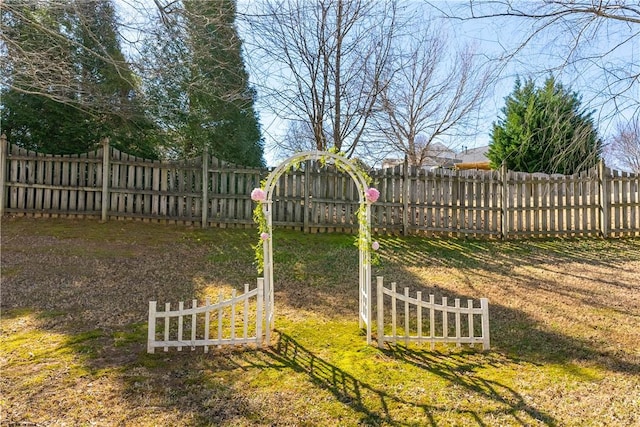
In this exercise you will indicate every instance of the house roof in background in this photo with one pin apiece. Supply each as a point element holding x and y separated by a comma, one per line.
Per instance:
<point>474,155</point>
<point>440,155</point>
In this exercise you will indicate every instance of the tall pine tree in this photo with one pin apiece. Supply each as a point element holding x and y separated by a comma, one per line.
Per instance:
<point>228,123</point>
<point>107,79</point>
<point>200,87</point>
<point>66,84</point>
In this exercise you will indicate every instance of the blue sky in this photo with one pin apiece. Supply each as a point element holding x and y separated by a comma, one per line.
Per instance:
<point>496,37</point>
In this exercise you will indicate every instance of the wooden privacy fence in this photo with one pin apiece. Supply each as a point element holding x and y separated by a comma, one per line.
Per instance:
<point>109,184</point>
<point>234,321</point>
<point>426,321</point>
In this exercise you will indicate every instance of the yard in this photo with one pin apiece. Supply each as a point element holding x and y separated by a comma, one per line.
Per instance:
<point>565,332</point>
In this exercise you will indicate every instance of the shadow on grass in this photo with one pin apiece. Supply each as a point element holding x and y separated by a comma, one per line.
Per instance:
<point>516,335</point>
<point>502,256</point>
<point>458,369</point>
<point>362,397</point>
<point>81,304</point>
<point>346,388</point>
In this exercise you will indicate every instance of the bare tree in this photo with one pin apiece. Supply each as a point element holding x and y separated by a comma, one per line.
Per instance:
<point>298,137</point>
<point>431,95</point>
<point>625,145</point>
<point>598,39</point>
<point>322,62</point>
<point>49,48</point>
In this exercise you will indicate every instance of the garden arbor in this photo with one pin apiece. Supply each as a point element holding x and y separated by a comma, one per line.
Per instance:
<point>433,327</point>
<point>366,196</point>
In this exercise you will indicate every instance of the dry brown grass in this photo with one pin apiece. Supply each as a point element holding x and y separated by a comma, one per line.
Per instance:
<point>564,324</point>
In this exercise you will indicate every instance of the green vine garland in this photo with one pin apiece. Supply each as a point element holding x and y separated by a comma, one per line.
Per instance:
<point>261,221</point>
<point>362,242</point>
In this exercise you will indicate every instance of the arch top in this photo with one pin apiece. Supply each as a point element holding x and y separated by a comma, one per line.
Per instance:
<point>351,168</point>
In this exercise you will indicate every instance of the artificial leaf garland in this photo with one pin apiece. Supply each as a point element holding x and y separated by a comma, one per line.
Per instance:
<point>259,195</point>
<point>362,242</point>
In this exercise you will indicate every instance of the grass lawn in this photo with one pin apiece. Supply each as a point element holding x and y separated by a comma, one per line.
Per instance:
<point>565,331</point>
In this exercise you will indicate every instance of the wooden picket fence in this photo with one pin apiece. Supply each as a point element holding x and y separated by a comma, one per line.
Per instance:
<point>233,321</point>
<point>423,321</point>
<point>109,184</point>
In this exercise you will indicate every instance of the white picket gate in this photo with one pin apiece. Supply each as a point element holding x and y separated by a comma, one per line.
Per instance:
<point>226,316</point>
<point>237,321</point>
<point>419,315</point>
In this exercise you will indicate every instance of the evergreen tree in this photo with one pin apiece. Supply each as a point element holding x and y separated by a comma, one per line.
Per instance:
<point>167,73</point>
<point>66,84</point>
<point>30,118</point>
<point>109,82</point>
<point>544,130</point>
<point>38,123</point>
<point>200,88</point>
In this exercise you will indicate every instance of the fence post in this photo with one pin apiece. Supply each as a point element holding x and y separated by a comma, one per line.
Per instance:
<point>484,305</point>
<point>3,165</point>
<point>106,174</point>
<point>151,335</point>
<point>505,201</point>
<point>605,198</point>
<point>205,186</point>
<point>455,204</point>
<point>405,196</point>
<point>380,311</point>
<point>306,211</point>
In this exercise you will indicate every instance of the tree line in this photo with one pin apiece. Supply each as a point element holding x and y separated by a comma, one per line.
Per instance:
<point>166,78</point>
<point>67,82</point>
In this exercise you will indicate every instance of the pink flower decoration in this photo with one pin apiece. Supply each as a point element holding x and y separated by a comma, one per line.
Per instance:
<point>375,246</point>
<point>264,236</point>
<point>258,195</point>
<point>371,194</point>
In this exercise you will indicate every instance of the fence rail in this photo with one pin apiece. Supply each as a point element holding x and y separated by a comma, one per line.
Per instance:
<point>226,322</point>
<point>426,321</point>
<point>109,184</point>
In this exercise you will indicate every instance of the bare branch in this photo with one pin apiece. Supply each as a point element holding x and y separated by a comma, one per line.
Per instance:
<point>431,95</point>
<point>41,50</point>
<point>593,39</point>
<point>321,62</point>
<point>625,145</point>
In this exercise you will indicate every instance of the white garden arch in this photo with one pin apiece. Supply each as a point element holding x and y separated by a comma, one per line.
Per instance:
<point>364,312</point>
<point>264,292</point>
